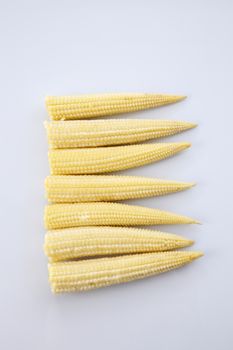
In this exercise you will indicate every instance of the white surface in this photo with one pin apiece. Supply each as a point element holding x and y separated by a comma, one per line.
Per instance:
<point>68,47</point>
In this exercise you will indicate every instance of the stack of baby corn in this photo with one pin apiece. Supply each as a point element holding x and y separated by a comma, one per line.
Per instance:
<point>90,242</point>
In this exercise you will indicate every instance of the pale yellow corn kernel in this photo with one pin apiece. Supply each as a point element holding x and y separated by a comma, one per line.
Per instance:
<point>96,133</point>
<point>109,159</point>
<point>75,243</point>
<point>90,106</point>
<point>107,188</point>
<point>107,214</point>
<point>95,273</point>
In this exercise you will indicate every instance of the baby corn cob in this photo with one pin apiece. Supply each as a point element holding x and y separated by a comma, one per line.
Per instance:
<point>108,159</point>
<point>96,133</point>
<point>89,106</point>
<point>107,214</point>
<point>96,273</point>
<point>74,243</point>
<point>97,188</point>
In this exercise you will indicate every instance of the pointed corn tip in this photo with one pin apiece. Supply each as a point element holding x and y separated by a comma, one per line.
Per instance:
<point>193,125</point>
<point>189,242</point>
<point>185,242</point>
<point>196,255</point>
<point>171,98</point>
<point>182,97</point>
<point>182,145</point>
<point>177,98</point>
<point>186,145</point>
<point>196,222</point>
<point>188,125</point>
<point>187,185</point>
<point>188,220</point>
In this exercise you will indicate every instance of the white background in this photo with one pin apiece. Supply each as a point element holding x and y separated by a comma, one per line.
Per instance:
<point>69,47</point>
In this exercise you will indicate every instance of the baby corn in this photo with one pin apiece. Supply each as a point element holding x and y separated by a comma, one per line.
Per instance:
<point>96,133</point>
<point>107,214</point>
<point>89,106</point>
<point>97,188</point>
<point>96,273</point>
<point>74,243</point>
<point>109,159</point>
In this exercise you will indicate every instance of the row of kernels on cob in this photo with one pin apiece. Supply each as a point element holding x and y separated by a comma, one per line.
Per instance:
<point>78,228</point>
<point>108,214</point>
<point>93,241</point>
<point>92,106</point>
<point>95,273</point>
<point>107,188</point>
<point>97,133</point>
<point>109,159</point>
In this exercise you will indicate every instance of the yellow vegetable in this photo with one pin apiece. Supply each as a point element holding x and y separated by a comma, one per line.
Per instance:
<point>97,188</point>
<point>108,214</point>
<point>109,159</point>
<point>89,106</point>
<point>96,133</point>
<point>96,273</point>
<point>74,243</point>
